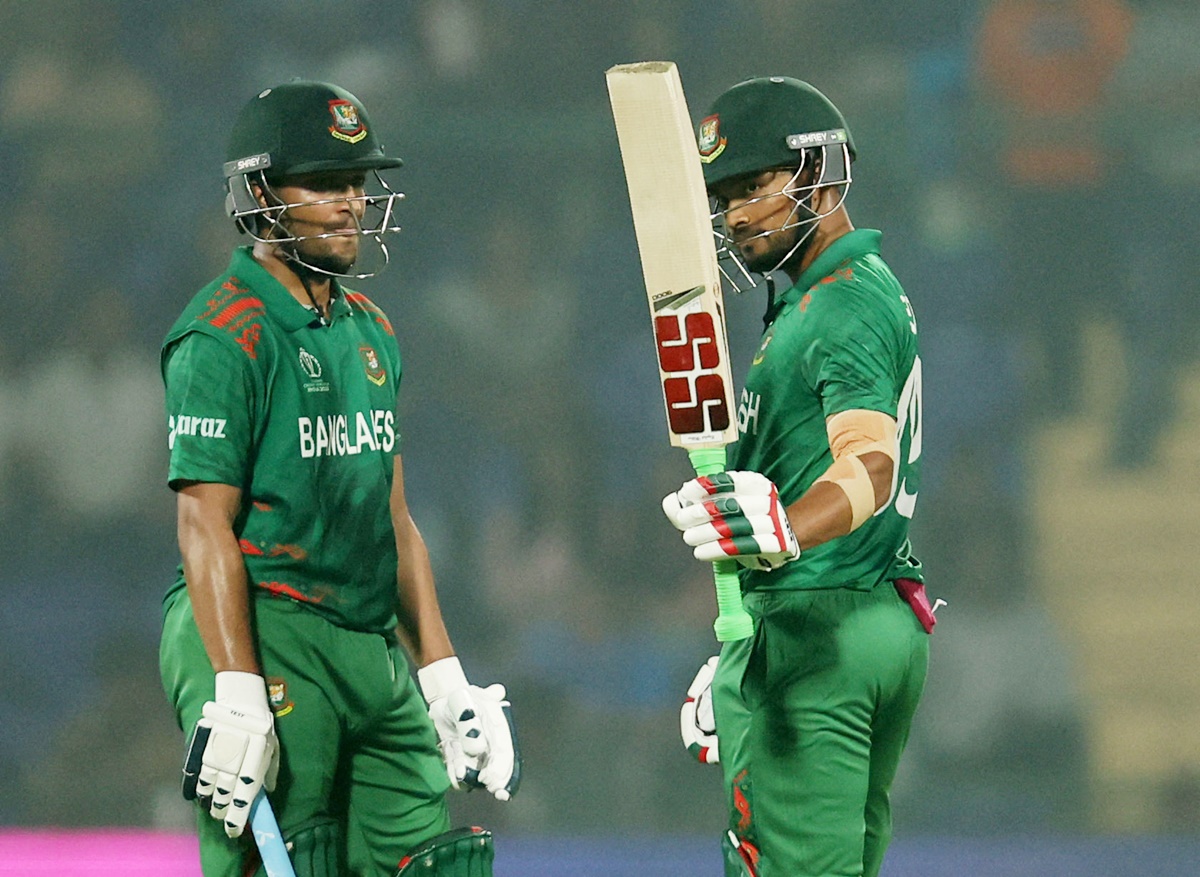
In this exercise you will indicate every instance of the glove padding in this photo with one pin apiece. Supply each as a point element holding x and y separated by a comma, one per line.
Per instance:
<point>474,727</point>
<point>733,515</point>
<point>233,751</point>
<point>697,726</point>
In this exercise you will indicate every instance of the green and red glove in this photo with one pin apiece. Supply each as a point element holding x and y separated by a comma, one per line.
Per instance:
<point>733,515</point>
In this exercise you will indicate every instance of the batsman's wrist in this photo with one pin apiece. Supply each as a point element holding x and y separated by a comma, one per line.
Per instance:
<point>441,677</point>
<point>244,690</point>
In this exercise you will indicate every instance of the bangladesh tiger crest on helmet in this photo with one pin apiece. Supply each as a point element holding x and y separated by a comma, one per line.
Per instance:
<point>308,127</point>
<point>347,123</point>
<point>710,142</point>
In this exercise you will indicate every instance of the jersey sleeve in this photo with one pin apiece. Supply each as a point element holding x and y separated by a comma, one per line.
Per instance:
<point>210,398</point>
<point>397,364</point>
<point>849,361</point>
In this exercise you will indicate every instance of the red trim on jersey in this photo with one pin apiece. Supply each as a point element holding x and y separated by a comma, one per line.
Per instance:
<point>231,312</point>
<point>742,806</point>
<point>293,551</point>
<point>250,548</point>
<point>357,298</point>
<point>279,589</point>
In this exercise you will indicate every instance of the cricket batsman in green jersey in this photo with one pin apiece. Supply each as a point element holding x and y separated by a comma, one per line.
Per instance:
<point>304,581</point>
<point>808,717</point>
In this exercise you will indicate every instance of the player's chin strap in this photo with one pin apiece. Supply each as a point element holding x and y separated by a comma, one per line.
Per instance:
<point>302,271</point>
<point>773,306</point>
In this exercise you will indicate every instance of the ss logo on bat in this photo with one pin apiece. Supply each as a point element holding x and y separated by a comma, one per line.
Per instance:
<point>688,353</point>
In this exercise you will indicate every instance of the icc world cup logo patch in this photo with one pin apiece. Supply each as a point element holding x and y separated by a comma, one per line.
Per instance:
<point>347,124</point>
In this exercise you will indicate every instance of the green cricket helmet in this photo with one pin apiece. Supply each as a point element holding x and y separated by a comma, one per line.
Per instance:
<point>776,122</point>
<point>770,122</point>
<point>305,127</point>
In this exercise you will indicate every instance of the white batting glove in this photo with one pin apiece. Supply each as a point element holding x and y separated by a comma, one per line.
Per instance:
<point>234,751</point>
<point>734,515</point>
<point>475,729</point>
<point>697,726</point>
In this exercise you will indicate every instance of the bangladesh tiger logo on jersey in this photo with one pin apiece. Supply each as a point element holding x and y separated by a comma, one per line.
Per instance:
<point>711,143</point>
<point>278,696</point>
<point>347,123</point>
<point>375,373</point>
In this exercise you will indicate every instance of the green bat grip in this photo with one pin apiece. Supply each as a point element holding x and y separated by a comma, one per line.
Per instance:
<point>733,621</point>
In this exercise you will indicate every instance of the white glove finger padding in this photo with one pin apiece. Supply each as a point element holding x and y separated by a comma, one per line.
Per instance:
<point>438,680</point>
<point>697,726</point>
<point>499,770</point>
<point>704,677</point>
<point>246,785</point>
<point>723,508</point>
<point>759,544</point>
<point>449,744</point>
<point>742,483</point>
<point>464,713</point>
<point>673,508</point>
<point>724,494</point>
<point>757,526</point>
<point>676,505</point>
<point>206,782</point>
<point>222,794</point>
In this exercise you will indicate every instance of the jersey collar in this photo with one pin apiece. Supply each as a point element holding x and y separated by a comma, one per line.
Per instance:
<point>290,314</point>
<point>860,242</point>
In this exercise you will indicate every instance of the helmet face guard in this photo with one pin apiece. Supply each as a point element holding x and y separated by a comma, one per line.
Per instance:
<point>830,166</point>
<point>307,127</point>
<point>247,181</point>
<point>774,122</point>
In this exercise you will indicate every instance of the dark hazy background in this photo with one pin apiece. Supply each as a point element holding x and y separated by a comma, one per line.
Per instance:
<point>1034,165</point>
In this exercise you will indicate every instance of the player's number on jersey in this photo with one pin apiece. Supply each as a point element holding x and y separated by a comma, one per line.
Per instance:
<point>909,419</point>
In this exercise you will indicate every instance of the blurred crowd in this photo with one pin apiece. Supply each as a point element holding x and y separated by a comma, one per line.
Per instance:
<point>1034,165</point>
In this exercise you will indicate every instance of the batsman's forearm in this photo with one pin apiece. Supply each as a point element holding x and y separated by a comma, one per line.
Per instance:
<point>219,591</point>
<point>821,514</point>
<point>221,604</point>
<point>421,626</point>
<point>824,512</point>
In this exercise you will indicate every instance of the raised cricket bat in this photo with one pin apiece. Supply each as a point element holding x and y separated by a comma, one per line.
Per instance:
<point>683,283</point>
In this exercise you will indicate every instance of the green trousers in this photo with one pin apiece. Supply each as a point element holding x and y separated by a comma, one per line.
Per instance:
<point>360,773</point>
<point>813,712</point>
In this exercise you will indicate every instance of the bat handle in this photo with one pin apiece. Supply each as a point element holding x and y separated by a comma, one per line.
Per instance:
<point>733,621</point>
<point>271,848</point>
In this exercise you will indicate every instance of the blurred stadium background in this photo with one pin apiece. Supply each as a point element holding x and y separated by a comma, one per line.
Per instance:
<point>1035,167</point>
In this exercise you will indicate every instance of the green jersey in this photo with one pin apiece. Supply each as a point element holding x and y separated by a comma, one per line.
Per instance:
<point>844,338</point>
<point>299,414</point>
